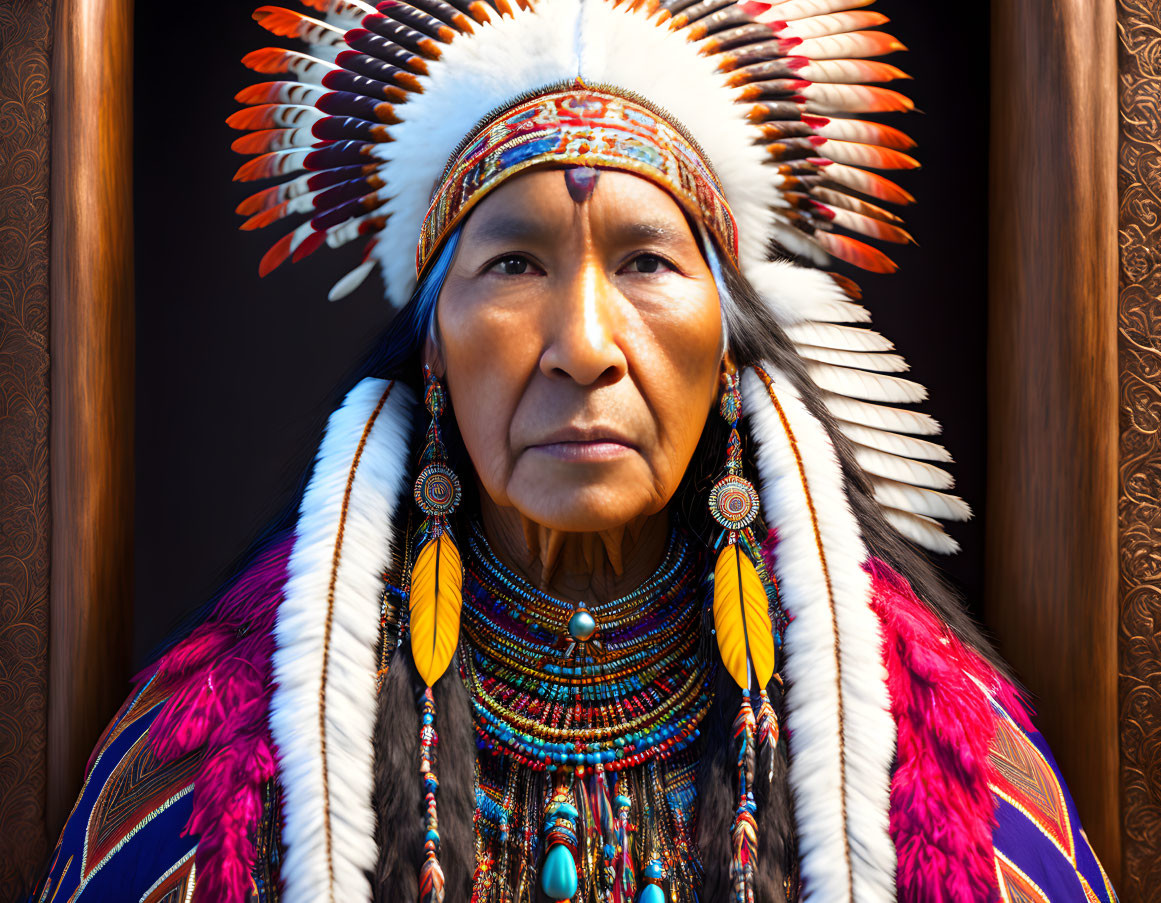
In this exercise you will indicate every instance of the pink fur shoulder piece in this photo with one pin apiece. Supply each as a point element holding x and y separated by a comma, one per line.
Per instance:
<point>942,810</point>
<point>221,680</point>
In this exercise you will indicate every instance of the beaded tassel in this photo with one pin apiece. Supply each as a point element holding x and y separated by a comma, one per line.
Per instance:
<point>626,884</point>
<point>768,732</point>
<point>744,832</point>
<point>606,821</point>
<point>431,874</point>
<point>558,874</point>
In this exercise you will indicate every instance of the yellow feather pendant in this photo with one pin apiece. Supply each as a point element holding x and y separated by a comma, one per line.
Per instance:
<point>436,599</point>
<point>742,619</point>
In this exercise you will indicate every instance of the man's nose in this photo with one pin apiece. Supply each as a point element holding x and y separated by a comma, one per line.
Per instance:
<point>582,344</point>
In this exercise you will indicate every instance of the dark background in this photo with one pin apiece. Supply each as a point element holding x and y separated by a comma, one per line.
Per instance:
<point>235,375</point>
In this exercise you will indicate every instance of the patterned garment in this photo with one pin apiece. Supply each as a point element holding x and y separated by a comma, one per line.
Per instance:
<point>1042,854</point>
<point>124,841</point>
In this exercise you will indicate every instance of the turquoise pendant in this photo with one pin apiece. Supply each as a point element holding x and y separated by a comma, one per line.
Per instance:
<point>653,874</point>
<point>558,876</point>
<point>651,893</point>
<point>582,625</point>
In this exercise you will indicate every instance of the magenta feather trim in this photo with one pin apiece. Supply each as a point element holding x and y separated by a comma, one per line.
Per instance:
<point>942,810</point>
<point>220,677</point>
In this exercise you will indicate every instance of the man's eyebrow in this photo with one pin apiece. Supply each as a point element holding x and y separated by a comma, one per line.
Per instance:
<point>650,232</point>
<point>505,228</point>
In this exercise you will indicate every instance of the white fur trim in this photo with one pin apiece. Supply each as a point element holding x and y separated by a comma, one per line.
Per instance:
<point>558,41</point>
<point>353,530</point>
<point>842,735</point>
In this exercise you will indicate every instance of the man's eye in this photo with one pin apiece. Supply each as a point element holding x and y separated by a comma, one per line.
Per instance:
<point>511,266</point>
<point>648,263</point>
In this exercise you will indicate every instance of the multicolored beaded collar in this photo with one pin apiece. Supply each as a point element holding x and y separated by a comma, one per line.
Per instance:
<point>610,684</point>
<point>577,125</point>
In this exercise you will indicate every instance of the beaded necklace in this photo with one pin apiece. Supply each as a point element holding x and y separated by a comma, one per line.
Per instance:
<point>586,718</point>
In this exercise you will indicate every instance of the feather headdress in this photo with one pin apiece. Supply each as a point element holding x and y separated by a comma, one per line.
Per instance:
<point>771,93</point>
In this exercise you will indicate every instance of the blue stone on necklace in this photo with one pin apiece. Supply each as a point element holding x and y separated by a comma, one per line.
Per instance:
<point>582,626</point>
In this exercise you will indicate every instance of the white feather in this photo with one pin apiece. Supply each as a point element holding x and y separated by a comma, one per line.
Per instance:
<point>846,338</point>
<point>927,502</point>
<point>364,524</point>
<point>800,9</point>
<point>902,470</point>
<point>351,281</point>
<point>923,531</point>
<point>819,26</point>
<point>868,386</point>
<point>894,443</point>
<point>861,360</point>
<point>897,420</point>
<point>834,703</point>
<point>797,294</point>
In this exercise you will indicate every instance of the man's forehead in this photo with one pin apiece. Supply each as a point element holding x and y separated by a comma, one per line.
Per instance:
<point>625,215</point>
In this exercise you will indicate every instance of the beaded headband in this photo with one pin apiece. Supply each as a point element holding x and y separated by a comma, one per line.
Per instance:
<point>577,126</point>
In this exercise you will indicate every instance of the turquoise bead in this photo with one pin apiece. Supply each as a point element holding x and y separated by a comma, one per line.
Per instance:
<point>651,893</point>
<point>582,626</point>
<point>558,876</point>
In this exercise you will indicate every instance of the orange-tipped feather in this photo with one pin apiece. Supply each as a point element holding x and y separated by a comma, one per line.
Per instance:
<point>851,72</point>
<point>865,133</point>
<point>828,99</point>
<point>855,154</point>
<point>268,140</point>
<point>848,202</point>
<point>868,183</point>
<point>855,252</point>
<point>836,23</point>
<point>289,24</point>
<point>264,218</point>
<point>267,166</point>
<point>279,92</point>
<point>852,45</point>
<point>273,258</point>
<point>272,115</point>
<point>866,225</point>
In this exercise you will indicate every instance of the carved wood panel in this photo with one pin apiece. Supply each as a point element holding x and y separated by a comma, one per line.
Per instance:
<point>1139,503</point>
<point>25,39</point>
<point>1052,384</point>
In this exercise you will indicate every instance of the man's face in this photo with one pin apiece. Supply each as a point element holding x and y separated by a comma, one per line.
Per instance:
<point>579,331</point>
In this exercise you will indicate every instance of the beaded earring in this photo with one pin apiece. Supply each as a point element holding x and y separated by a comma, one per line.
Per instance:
<point>743,628</point>
<point>435,602</point>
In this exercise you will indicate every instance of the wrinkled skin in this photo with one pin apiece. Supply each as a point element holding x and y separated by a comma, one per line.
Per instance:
<point>579,334</point>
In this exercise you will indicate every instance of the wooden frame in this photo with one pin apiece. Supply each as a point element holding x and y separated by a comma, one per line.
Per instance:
<point>1051,581</point>
<point>24,395</point>
<point>1074,508</point>
<point>92,384</point>
<point>1139,402</point>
